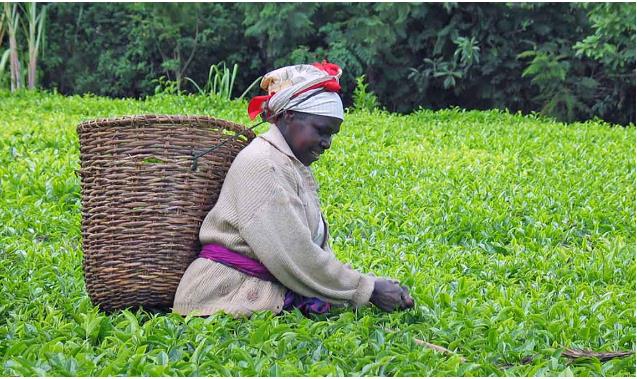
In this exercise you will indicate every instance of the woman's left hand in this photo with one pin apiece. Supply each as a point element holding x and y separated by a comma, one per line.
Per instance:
<point>408,301</point>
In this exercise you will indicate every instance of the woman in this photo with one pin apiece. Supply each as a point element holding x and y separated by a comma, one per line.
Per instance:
<point>265,242</point>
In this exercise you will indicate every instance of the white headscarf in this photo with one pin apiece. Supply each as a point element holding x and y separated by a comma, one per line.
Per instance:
<point>290,80</point>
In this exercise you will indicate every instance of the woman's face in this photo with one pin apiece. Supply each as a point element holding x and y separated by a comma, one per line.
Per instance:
<point>308,135</point>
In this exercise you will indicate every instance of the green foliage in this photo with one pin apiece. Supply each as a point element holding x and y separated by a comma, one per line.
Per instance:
<point>174,29</point>
<point>166,87</point>
<point>549,74</point>
<point>364,99</point>
<point>545,70</point>
<point>612,45</point>
<point>516,235</point>
<point>466,54</point>
<point>221,82</point>
<point>613,40</point>
<point>572,87</point>
<point>431,55</point>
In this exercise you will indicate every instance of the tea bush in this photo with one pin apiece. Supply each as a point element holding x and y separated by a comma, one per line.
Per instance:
<point>516,235</point>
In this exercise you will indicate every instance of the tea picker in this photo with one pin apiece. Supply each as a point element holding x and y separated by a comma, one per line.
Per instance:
<point>178,215</point>
<point>265,243</point>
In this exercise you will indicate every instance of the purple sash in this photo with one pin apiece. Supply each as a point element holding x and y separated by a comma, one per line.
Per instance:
<point>248,266</point>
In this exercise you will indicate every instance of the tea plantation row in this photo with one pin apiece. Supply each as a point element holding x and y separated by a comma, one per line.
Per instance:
<point>516,235</point>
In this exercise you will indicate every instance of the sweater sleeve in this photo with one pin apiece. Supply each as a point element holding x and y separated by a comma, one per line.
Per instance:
<point>279,236</point>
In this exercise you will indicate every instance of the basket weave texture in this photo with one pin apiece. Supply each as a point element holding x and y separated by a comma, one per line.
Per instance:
<point>142,203</point>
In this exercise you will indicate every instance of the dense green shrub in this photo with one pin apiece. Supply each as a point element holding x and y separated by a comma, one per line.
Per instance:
<point>594,76</point>
<point>516,235</point>
<point>568,60</point>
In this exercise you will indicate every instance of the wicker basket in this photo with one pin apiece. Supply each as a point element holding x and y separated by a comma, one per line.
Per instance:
<point>143,204</point>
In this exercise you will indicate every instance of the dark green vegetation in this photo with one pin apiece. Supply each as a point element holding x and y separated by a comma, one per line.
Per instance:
<point>516,235</point>
<point>572,61</point>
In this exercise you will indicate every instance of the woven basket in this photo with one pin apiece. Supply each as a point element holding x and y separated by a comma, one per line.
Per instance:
<point>143,204</point>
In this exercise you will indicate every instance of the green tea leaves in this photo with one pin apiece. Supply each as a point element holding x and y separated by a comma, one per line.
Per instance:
<point>515,235</point>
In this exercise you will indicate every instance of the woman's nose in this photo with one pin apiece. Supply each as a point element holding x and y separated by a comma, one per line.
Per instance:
<point>326,142</point>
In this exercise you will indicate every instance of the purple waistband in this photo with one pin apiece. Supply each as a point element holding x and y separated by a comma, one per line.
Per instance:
<point>237,261</point>
<point>252,267</point>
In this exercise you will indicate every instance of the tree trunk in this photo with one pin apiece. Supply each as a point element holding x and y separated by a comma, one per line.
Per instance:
<point>12,21</point>
<point>177,70</point>
<point>33,50</point>
<point>36,28</point>
<point>182,70</point>
<point>33,58</point>
<point>14,62</point>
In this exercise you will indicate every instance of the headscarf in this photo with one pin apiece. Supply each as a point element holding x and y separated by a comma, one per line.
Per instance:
<point>303,88</point>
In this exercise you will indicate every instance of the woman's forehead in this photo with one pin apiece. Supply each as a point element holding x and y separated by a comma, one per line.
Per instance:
<point>322,121</point>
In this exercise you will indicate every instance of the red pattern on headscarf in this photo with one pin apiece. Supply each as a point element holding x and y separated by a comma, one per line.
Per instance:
<point>330,68</point>
<point>255,107</point>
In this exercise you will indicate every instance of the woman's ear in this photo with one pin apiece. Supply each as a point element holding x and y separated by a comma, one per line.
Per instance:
<point>282,118</point>
<point>273,119</point>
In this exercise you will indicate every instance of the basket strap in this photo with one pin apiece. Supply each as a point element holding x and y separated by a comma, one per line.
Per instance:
<point>215,147</point>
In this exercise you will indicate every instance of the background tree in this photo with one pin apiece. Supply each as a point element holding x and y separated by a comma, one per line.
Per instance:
<point>612,46</point>
<point>174,29</point>
<point>566,60</point>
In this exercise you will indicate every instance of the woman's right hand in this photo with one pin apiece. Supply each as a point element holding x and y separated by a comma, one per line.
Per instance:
<point>387,295</point>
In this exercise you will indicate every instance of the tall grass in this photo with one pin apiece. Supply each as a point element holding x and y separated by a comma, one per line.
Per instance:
<point>35,35</point>
<point>4,53</point>
<point>221,81</point>
<point>12,17</point>
<point>33,29</point>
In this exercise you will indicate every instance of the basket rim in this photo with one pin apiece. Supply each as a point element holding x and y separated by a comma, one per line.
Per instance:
<point>159,119</point>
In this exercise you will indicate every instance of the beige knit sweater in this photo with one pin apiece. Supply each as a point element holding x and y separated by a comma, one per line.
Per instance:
<point>268,210</point>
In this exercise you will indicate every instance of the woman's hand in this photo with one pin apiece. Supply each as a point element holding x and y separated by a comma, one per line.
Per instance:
<point>388,295</point>
<point>408,301</point>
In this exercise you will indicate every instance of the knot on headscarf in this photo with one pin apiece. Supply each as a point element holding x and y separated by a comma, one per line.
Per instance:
<point>303,88</point>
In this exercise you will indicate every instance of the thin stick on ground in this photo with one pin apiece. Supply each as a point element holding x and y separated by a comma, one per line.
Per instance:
<point>602,356</point>
<point>568,352</point>
<point>431,346</point>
